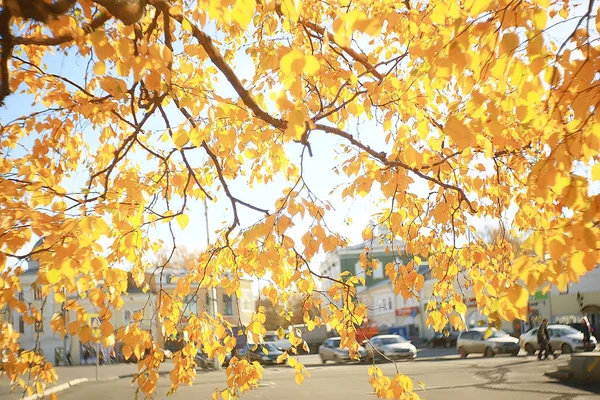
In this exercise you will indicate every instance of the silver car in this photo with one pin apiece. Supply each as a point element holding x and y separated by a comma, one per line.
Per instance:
<point>391,347</point>
<point>562,337</point>
<point>330,351</point>
<point>476,341</point>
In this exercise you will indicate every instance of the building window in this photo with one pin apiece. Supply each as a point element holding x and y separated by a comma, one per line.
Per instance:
<point>190,305</point>
<point>37,293</point>
<point>207,304</point>
<point>21,296</point>
<point>227,305</point>
<point>39,326</point>
<point>21,324</point>
<point>389,304</point>
<point>127,317</point>
<point>378,272</point>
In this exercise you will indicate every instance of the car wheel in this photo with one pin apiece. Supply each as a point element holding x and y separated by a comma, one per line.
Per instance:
<point>489,352</point>
<point>529,349</point>
<point>323,360</point>
<point>566,349</point>
<point>514,353</point>
<point>462,352</point>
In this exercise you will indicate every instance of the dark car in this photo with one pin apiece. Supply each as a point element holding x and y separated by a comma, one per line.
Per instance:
<point>265,353</point>
<point>439,339</point>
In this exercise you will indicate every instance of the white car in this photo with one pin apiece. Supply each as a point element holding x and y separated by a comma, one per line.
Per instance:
<point>562,337</point>
<point>496,341</point>
<point>391,347</point>
<point>330,351</point>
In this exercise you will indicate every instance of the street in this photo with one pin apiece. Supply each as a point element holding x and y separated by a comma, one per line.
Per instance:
<point>444,374</point>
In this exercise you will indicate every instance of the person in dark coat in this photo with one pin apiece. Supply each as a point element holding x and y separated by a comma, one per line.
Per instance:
<point>543,340</point>
<point>587,333</point>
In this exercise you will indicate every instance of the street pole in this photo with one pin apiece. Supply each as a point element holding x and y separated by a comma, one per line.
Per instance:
<point>98,361</point>
<point>213,291</point>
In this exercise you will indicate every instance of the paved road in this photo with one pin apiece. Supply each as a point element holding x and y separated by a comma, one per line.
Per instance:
<point>447,378</point>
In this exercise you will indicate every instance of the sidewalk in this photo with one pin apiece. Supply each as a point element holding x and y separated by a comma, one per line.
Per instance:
<point>82,373</point>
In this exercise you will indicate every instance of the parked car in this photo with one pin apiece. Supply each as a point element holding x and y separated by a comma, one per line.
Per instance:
<point>203,361</point>
<point>390,346</point>
<point>330,351</point>
<point>475,341</point>
<point>562,337</point>
<point>439,339</point>
<point>281,344</point>
<point>265,353</point>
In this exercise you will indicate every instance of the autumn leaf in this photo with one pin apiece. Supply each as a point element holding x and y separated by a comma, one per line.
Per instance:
<point>180,138</point>
<point>596,172</point>
<point>182,220</point>
<point>243,11</point>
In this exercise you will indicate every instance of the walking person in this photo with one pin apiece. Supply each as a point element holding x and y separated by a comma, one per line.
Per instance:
<point>543,340</point>
<point>587,332</point>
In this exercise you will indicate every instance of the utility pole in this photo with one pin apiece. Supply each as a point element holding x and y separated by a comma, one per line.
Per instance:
<point>98,360</point>
<point>213,291</point>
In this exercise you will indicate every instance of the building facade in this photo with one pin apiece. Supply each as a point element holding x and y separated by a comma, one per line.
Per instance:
<point>385,309</point>
<point>41,337</point>
<point>234,310</point>
<point>579,299</point>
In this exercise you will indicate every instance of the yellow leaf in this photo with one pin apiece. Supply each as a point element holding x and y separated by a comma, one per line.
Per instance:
<point>292,62</point>
<point>311,66</point>
<point>100,68</point>
<point>596,171</point>
<point>243,11</point>
<point>476,7</point>
<point>510,42</point>
<point>116,87</point>
<point>180,138</point>
<point>291,9</point>
<point>185,25</point>
<point>518,296</point>
<point>102,47</point>
<point>182,220</point>
<point>458,132</point>
<point>106,328</point>
<point>53,276</point>
<point>488,332</point>
<point>576,265</point>
<point>367,233</point>
<point>540,18</point>
<point>370,26</point>
<point>299,378</point>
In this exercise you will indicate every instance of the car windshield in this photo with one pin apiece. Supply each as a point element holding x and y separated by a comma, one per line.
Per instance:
<point>568,330</point>
<point>270,347</point>
<point>498,334</point>
<point>335,343</point>
<point>392,340</point>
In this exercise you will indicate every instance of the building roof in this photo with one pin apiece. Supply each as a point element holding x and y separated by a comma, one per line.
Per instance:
<point>371,244</point>
<point>33,266</point>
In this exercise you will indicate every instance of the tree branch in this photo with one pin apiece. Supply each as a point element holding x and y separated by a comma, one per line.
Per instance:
<point>382,157</point>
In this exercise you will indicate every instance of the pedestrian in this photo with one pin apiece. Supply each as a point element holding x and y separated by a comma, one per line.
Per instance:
<point>101,357</point>
<point>86,355</point>
<point>587,332</point>
<point>543,340</point>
